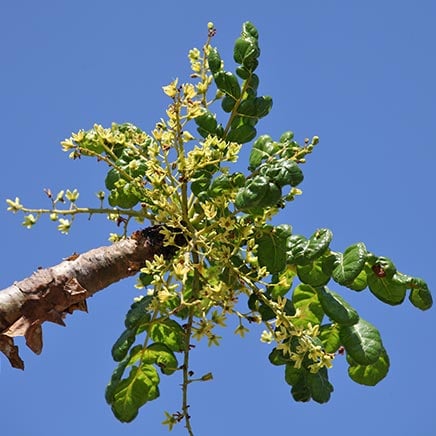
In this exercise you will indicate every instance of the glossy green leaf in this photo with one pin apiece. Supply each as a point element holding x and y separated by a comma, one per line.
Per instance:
<point>292,374</point>
<point>282,172</point>
<point>257,107</point>
<point>369,375</point>
<point>242,72</point>
<point>138,313</point>
<point>384,267</point>
<point>287,136</point>
<point>329,336</point>
<point>258,192</point>
<point>336,308</point>
<point>271,251</point>
<point>162,356</point>
<point>214,60</point>
<point>277,358</point>
<point>133,392</point>
<point>313,273</point>
<point>302,251</point>
<point>228,103</point>
<point>387,289</point>
<point>207,124</point>
<point>123,344</point>
<point>281,283</point>
<point>246,50</point>
<point>170,333</point>
<point>318,243</point>
<point>120,198</point>
<point>362,341</point>
<point>265,312</point>
<point>263,148</point>
<point>360,282</point>
<point>242,134</point>
<point>319,386</point>
<point>305,298</point>
<point>200,181</point>
<point>420,295</point>
<point>350,264</point>
<point>115,380</point>
<point>300,390</point>
<point>228,83</point>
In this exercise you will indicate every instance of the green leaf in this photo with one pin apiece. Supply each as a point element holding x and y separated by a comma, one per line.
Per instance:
<point>115,380</point>
<point>207,124</point>
<point>420,296</point>
<point>282,172</point>
<point>242,72</point>
<point>287,137</point>
<point>319,386</point>
<point>200,181</point>
<point>319,243</point>
<point>300,390</point>
<point>271,250</point>
<point>257,193</point>
<point>228,103</point>
<point>242,134</point>
<point>313,273</point>
<point>265,312</point>
<point>282,282</point>
<point>214,60</point>
<point>170,333</point>
<point>162,356</point>
<point>350,264</point>
<point>138,313</point>
<point>228,83</point>
<point>257,107</point>
<point>302,251</point>
<point>246,50</point>
<point>362,341</point>
<point>360,282</point>
<point>263,148</point>
<point>336,308</point>
<point>133,392</point>
<point>329,336</point>
<point>369,375</point>
<point>387,289</point>
<point>123,344</point>
<point>122,198</point>
<point>305,298</point>
<point>292,374</point>
<point>384,267</point>
<point>277,358</point>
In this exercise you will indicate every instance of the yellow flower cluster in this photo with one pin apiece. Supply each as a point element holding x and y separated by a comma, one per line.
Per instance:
<point>308,345</point>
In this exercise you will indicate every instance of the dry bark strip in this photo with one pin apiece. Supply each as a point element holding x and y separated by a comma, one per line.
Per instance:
<point>51,293</point>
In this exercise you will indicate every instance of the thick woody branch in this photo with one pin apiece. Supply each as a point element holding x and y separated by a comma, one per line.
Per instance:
<point>49,294</point>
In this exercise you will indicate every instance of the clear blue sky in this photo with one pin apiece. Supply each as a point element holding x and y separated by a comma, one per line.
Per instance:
<point>361,75</point>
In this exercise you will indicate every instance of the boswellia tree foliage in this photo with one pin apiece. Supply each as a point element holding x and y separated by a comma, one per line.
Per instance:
<point>210,251</point>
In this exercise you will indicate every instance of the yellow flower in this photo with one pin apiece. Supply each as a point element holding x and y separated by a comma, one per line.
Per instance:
<point>194,54</point>
<point>29,221</point>
<point>187,136</point>
<point>171,89</point>
<point>67,144</point>
<point>188,90</point>
<point>14,206</point>
<point>266,337</point>
<point>64,225</point>
<point>79,136</point>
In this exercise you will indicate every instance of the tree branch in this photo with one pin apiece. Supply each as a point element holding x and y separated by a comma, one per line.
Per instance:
<point>51,293</point>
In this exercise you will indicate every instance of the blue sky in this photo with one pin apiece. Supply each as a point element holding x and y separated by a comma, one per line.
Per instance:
<point>358,74</point>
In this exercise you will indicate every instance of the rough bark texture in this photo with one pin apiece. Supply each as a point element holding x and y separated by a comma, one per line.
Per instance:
<point>49,294</point>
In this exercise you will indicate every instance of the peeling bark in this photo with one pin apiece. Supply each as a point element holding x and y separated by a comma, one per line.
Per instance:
<point>51,293</point>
